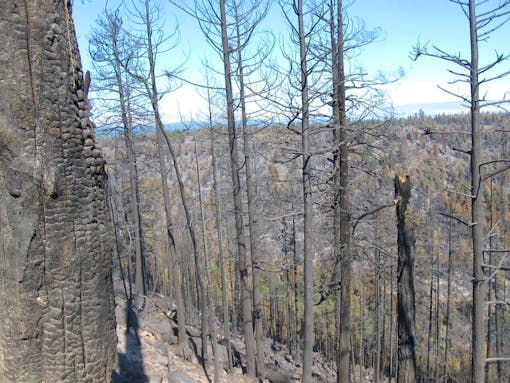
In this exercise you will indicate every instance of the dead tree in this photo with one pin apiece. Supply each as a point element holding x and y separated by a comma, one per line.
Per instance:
<point>246,297</point>
<point>484,18</point>
<point>111,49</point>
<point>58,321</point>
<point>405,280</point>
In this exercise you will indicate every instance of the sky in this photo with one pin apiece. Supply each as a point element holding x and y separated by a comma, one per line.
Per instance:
<point>403,23</point>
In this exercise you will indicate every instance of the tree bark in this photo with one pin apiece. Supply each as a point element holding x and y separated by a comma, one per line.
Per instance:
<point>58,321</point>
<point>341,204</point>
<point>406,370</point>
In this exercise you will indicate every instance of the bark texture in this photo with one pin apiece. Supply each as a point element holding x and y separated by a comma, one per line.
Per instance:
<point>406,291</point>
<point>341,202</point>
<point>55,255</point>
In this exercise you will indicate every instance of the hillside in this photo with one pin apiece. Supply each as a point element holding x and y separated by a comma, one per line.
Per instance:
<point>417,146</point>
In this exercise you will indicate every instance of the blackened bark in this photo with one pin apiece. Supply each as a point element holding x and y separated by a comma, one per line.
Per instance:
<point>377,320</point>
<point>341,203</point>
<point>448,299</point>
<point>55,255</point>
<point>477,214</point>
<point>405,290</point>
<point>246,300</point>
<point>308,336</point>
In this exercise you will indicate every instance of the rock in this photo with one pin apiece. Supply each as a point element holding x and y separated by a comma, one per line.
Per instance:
<point>161,347</point>
<point>120,315</point>
<point>222,355</point>
<point>156,324</point>
<point>168,338</point>
<point>185,351</point>
<point>180,377</point>
<point>192,331</point>
<point>154,379</point>
<point>277,376</point>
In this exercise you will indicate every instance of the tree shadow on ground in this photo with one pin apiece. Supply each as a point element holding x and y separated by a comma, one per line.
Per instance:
<point>199,357</point>
<point>130,363</point>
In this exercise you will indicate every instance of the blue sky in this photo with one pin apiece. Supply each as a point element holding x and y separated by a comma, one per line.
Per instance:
<point>403,23</point>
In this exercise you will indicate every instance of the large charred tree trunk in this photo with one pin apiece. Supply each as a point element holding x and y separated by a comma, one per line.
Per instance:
<point>405,290</point>
<point>55,255</point>
<point>342,223</point>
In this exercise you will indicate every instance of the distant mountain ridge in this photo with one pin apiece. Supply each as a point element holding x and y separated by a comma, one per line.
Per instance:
<point>436,108</point>
<point>431,108</point>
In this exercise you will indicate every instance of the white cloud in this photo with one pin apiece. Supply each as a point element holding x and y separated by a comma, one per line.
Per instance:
<point>417,92</point>
<point>186,104</point>
<point>410,91</point>
<point>183,104</point>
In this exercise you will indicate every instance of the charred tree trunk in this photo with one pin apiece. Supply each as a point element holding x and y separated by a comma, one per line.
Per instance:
<point>295,287</point>
<point>58,320</point>
<point>341,199</point>
<point>392,322</point>
<point>431,306</point>
<point>477,214</point>
<point>377,325</point>
<point>252,219</point>
<point>448,300</point>
<point>246,300</point>
<point>406,371</point>
<point>308,336</point>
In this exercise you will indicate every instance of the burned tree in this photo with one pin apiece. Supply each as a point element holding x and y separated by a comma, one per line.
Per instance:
<point>405,290</point>
<point>55,268</point>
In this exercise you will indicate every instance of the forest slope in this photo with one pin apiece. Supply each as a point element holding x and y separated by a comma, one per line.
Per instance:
<point>418,146</point>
